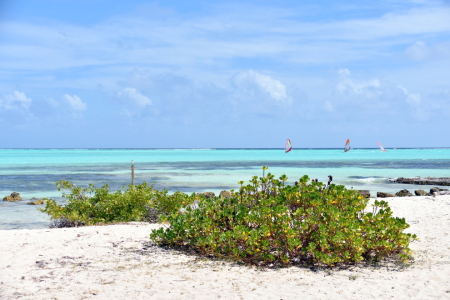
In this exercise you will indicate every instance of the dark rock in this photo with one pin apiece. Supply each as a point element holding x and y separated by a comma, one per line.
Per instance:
<point>364,193</point>
<point>13,197</point>
<point>404,193</point>
<point>420,193</point>
<point>207,195</point>
<point>434,190</point>
<point>422,180</point>
<point>224,194</point>
<point>385,195</point>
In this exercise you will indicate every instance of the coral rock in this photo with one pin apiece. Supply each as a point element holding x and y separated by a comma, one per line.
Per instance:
<point>13,197</point>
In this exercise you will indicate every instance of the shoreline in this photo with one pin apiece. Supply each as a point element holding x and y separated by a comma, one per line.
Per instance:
<point>117,261</point>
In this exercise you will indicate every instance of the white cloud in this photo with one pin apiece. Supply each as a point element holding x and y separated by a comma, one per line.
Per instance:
<point>374,96</point>
<point>15,100</point>
<point>135,96</point>
<point>250,79</point>
<point>411,98</point>
<point>420,50</point>
<point>75,102</point>
<point>347,84</point>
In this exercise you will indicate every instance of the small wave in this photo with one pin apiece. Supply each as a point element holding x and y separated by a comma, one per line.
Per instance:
<point>360,179</point>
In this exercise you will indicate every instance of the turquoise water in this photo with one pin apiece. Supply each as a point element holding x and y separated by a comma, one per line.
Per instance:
<point>34,172</point>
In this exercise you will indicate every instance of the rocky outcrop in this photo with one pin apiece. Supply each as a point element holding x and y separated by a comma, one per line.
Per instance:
<point>420,193</point>
<point>385,195</point>
<point>207,195</point>
<point>36,201</point>
<point>422,180</point>
<point>404,193</point>
<point>225,194</point>
<point>13,197</point>
<point>364,193</point>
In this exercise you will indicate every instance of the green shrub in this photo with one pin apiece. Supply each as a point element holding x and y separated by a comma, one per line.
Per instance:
<point>267,223</point>
<point>89,206</point>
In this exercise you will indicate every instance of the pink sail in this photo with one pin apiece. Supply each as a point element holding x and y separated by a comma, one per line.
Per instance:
<point>288,146</point>
<point>381,147</point>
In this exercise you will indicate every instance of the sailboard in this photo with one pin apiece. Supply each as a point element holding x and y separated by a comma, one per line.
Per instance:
<point>381,147</point>
<point>347,146</point>
<point>288,146</point>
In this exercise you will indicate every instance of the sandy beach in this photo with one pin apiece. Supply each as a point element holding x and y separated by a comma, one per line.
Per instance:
<point>119,262</point>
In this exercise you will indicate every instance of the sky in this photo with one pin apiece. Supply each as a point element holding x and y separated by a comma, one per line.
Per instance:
<point>224,74</point>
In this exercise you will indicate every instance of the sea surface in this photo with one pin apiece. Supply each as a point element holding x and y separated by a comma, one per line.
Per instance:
<point>34,172</point>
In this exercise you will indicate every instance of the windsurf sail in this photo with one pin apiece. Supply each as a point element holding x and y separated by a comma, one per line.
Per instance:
<point>288,146</point>
<point>347,146</point>
<point>381,147</point>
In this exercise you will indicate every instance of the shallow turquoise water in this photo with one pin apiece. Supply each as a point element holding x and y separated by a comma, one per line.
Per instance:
<point>34,172</point>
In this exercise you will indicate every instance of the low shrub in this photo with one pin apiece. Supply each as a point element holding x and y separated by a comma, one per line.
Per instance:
<point>98,206</point>
<point>91,205</point>
<point>268,223</point>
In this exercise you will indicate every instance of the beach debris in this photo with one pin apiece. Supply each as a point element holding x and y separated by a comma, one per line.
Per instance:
<point>420,193</point>
<point>194,205</point>
<point>364,193</point>
<point>13,197</point>
<point>404,193</point>
<point>385,195</point>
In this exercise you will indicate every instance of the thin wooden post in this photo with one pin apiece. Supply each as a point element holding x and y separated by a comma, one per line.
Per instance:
<point>132,172</point>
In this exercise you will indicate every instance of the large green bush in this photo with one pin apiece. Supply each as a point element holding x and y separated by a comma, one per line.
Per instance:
<point>91,205</point>
<point>267,223</point>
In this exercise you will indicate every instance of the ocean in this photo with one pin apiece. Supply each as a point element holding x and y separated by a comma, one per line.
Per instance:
<point>34,172</point>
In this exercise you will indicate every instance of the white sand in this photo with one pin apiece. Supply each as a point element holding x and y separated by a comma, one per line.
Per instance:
<point>113,262</point>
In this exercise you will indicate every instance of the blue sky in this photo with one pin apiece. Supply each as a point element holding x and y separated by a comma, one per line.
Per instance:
<point>224,74</point>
